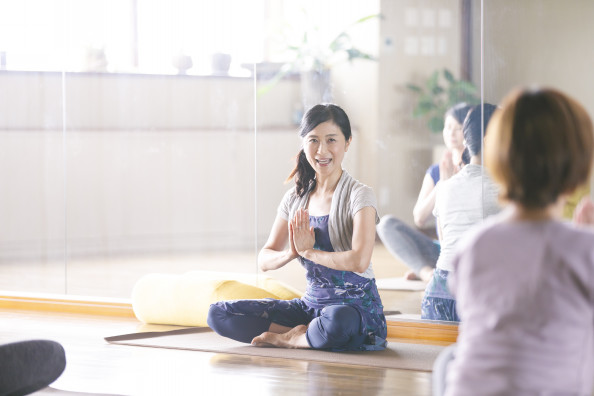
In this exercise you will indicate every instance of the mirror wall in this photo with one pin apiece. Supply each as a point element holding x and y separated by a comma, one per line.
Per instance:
<point>538,43</point>
<point>127,142</point>
<point>148,136</point>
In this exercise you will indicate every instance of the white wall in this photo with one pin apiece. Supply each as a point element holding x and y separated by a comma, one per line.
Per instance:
<point>95,101</point>
<point>538,42</point>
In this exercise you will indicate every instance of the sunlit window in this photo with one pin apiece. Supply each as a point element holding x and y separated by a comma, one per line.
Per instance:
<point>207,31</point>
<point>143,36</point>
<point>164,36</point>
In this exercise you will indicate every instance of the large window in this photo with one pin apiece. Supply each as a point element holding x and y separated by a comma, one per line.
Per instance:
<point>143,36</point>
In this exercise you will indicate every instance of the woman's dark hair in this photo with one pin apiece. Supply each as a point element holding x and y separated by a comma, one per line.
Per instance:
<point>540,146</point>
<point>475,128</point>
<point>303,174</point>
<point>459,112</point>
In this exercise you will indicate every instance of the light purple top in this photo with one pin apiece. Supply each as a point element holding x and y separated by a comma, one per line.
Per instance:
<point>525,296</point>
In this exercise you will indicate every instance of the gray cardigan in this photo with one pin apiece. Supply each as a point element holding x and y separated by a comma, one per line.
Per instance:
<point>349,197</point>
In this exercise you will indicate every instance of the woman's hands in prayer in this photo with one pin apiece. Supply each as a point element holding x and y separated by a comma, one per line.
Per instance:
<point>292,248</point>
<point>447,168</point>
<point>301,235</point>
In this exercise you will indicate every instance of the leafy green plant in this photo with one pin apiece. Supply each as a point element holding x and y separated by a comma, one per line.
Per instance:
<point>438,93</point>
<point>310,52</point>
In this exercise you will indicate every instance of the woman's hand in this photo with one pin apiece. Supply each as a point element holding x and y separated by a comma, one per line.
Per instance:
<point>447,168</point>
<point>292,248</point>
<point>275,253</point>
<point>303,235</point>
<point>584,212</point>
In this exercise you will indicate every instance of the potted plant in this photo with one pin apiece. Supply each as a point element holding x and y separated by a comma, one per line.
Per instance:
<point>438,93</point>
<point>312,58</point>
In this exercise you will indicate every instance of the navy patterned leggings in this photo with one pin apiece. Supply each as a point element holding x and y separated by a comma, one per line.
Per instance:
<point>334,327</point>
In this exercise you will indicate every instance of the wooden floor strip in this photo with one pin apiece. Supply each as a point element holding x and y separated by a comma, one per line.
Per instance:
<point>60,303</point>
<point>423,332</point>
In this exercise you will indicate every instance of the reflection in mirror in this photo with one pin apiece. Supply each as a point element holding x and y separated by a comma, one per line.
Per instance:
<point>159,121</point>
<point>551,32</point>
<point>424,71</point>
<point>158,118</point>
<point>157,149</point>
<point>554,53</point>
<point>556,34</point>
<point>542,26</point>
<point>391,149</point>
<point>155,167</point>
<point>161,166</point>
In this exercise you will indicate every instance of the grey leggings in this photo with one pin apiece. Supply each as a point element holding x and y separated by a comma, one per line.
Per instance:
<point>28,366</point>
<point>408,244</point>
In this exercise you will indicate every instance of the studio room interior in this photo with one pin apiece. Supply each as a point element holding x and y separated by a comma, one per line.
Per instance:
<point>146,146</point>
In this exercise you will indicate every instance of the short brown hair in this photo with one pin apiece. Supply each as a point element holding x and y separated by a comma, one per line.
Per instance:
<point>539,146</point>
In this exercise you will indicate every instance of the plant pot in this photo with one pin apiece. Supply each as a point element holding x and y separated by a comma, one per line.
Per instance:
<point>220,64</point>
<point>315,88</point>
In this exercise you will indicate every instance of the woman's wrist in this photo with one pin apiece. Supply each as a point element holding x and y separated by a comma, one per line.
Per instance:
<point>291,255</point>
<point>306,254</point>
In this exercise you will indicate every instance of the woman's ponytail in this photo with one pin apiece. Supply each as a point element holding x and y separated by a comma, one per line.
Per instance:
<point>303,174</point>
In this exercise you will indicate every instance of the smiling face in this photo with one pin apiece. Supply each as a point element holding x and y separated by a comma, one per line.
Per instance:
<point>324,147</point>
<point>453,136</point>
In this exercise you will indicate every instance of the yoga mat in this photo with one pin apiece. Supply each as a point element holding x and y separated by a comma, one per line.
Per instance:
<point>406,356</point>
<point>400,284</point>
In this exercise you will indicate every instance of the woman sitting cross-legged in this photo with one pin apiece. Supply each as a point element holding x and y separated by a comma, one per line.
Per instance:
<point>414,248</point>
<point>461,202</point>
<point>327,222</point>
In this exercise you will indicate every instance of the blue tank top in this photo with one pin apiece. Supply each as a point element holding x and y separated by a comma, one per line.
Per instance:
<point>327,286</point>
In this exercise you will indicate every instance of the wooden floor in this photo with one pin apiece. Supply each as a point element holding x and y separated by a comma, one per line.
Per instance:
<point>95,367</point>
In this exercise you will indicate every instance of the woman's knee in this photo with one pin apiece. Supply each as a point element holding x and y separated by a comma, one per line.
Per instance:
<point>390,224</point>
<point>335,327</point>
<point>240,327</point>
<point>343,314</point>
<point>216,317</point>
<point>385,223</point>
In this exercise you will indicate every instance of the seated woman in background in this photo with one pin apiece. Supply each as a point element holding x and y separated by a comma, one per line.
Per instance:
<point>327,222</point>
<point>524,281</point>
<point>415,249</point>
<point>460,203</point>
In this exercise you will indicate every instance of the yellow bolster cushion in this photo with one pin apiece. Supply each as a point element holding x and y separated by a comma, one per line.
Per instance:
<point>281,290</point>
<point>184,300</point>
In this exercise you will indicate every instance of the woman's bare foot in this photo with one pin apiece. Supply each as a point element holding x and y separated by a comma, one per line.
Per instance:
<point>294,338</point>
<point>410,275</point>
<point>426,273</point>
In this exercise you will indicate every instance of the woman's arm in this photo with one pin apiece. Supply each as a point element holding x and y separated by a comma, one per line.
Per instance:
<point>357,259</point>
<point>425,202</point>
<point>274,255</point>
<point>439,230</point>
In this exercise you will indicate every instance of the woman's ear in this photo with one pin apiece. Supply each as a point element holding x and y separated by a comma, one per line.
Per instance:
<point>348,142</point>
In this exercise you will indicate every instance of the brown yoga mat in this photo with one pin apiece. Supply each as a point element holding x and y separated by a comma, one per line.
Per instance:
<point>398,355</point>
